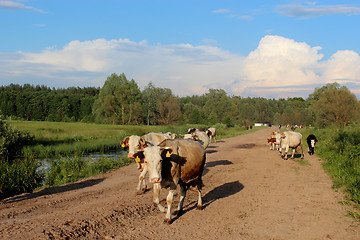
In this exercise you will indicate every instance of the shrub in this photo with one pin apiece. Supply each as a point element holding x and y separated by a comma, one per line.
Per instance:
<point>18,175</point>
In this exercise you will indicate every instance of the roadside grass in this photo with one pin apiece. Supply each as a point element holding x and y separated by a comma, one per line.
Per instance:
<point>339,148</point>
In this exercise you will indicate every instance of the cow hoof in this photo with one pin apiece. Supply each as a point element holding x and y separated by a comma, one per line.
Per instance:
<point>139,193</point>
<point>199,207</point>
<point>167,221</point>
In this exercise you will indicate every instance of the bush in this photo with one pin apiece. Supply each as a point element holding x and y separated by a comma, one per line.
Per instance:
<point>18,175</point>
<point>12,141</point>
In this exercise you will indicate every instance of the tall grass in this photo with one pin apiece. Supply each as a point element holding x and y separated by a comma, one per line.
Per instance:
<point>67,170</point>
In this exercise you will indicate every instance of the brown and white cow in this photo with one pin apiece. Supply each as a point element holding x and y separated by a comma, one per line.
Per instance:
<point>136,143</point>
<point>174,162</point>
<point>292,140</point>
<point>211,132</point>
<point>272,142</point>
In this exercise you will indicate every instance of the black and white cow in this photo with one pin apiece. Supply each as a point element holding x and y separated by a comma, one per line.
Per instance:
<point>311,141</point>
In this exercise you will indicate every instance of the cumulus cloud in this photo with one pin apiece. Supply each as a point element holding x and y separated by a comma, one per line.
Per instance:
<point>343,67</point>
<point>278,68</point>
<point>16,5</point>
<point>282,61</point>
<point>297,10</point>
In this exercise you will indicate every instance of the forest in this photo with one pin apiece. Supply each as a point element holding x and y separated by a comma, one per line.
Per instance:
<point>120,101</point>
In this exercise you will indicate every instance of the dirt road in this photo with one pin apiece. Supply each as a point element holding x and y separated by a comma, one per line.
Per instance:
<point>249,193</point>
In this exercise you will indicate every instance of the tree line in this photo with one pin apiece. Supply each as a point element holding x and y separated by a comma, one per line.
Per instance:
<point>120,101</point>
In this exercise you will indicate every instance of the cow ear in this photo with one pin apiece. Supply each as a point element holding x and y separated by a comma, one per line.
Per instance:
<point>125,142</point>
<point>139,156</point>
<point>166,152</point>
<point>142,143</point>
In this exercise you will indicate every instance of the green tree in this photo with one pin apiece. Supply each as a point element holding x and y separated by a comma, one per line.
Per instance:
<point>116,100</point>
<point>218,103</point>
<point>334,104</point>
<point>149,97</point>
<point>168,107</point>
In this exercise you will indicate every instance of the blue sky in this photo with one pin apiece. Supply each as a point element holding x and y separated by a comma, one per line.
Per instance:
<point>256,48</point>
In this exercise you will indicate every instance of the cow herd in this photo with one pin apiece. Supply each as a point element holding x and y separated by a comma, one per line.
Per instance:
<point>170,162</point>
<point>290,140</point>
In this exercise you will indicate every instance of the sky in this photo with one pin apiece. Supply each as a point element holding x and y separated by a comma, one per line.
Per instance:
<point>249,48</point>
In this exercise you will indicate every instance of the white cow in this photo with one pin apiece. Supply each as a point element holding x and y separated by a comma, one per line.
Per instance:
<point>292,140</point>
<point>136,143</point>
<point>199,136</point>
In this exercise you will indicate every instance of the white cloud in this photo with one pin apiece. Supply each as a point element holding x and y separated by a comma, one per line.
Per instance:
<point>222,10</point>
<point>297,10</point>
<point>16,5</point>
<point>278,67</point>
<point>343,67</point>
<point>279,61</point>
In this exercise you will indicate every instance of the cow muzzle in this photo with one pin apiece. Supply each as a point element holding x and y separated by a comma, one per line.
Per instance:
<point>131,155</point>
<point>155,180</point>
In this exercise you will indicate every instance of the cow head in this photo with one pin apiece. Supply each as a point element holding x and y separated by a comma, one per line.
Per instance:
<point>153,158</point>
<point>135,143</point>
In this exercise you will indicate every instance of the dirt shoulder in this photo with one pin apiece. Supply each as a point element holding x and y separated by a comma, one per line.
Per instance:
<point>249,193</point>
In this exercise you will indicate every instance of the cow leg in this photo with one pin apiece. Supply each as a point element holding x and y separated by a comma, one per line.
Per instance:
<point>293,153</point>
<point>143,174</point>
<point>182,197</point>
<point>156,200</point>
<point>199,205</point>
<point>142,182</point>
<point>169,200</point>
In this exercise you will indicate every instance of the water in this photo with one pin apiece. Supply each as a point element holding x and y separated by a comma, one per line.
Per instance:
<point>92,157</point>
